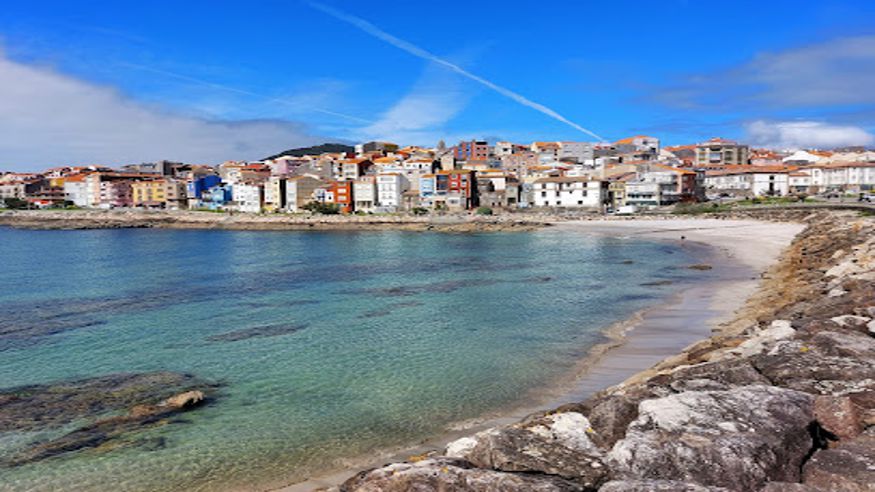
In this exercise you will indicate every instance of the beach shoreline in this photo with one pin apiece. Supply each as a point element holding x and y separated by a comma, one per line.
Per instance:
<point>740,251</point>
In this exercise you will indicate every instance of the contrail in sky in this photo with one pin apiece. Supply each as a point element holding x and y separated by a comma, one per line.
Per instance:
<point>242,91</point>
<point>426,55</point>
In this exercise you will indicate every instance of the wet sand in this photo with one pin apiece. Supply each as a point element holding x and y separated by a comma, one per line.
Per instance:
<point>741,251</point>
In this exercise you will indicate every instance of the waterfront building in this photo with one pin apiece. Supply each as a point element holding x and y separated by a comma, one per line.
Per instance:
<point>198,185</point>
<point>390,189</point>
<point>456,189</point>
<point>340,193</point>
<point>749,181</point>
<point>661,185</point>
<point>569,192</point>
<point>364,192</point>
<point>117,193</point>
<point>300,191</point>
<point>150,193</point>
<point>248,196</point>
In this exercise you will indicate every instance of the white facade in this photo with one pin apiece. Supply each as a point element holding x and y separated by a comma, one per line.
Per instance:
<point>502,149</point>
<point>248,197</point>
<point>568,192</point>
<point>390,188</point>
<point>364,193</point>
<point>750,182</point>
<point>76,192</point>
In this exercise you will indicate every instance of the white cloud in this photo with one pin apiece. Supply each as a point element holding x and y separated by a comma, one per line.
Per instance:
<point>420,116</point>
<point>806,134</point>
<point>840,71</point>
<point>52,119</point>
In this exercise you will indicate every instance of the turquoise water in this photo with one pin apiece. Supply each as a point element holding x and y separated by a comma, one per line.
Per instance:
<point>373,339</point>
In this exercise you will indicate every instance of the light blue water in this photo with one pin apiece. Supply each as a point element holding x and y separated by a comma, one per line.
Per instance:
<point>398,334</point>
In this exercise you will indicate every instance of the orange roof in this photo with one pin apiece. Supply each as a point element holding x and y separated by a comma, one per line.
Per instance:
<point>630,140</point>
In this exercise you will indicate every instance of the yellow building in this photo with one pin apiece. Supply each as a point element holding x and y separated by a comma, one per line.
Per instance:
<point>149,193</point>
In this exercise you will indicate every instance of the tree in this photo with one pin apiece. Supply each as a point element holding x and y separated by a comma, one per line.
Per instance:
<point>322,208</point>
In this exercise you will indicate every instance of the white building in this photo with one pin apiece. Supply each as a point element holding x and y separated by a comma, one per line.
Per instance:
<point>843,175</point>
<point>76,191</point>
<point>364,192</point>
<point>579,152</point>
<point>753,181</point>
<point>569,192</point>
<point>248,197</point>
<point>390,188</point>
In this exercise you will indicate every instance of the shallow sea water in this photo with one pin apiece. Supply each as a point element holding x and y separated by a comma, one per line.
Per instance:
<point>365,340</point>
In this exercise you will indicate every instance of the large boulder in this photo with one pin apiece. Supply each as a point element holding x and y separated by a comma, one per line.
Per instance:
<point>799,366</point>
<point>737,439</point>
<point>554,444</point>
<point>657,486</point>
<point>452,475</point>
<point>849,467</point>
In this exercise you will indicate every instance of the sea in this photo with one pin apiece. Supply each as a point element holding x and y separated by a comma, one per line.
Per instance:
<point>325,346</point>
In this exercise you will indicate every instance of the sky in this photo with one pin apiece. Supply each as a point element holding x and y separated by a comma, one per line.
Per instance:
<point>101,82</point>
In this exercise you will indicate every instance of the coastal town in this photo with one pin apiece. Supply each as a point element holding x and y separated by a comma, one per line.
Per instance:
<point>628,175</point>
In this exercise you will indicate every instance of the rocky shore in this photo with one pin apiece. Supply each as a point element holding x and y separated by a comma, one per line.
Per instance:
<point>782,398</point>
<point>134,219</point>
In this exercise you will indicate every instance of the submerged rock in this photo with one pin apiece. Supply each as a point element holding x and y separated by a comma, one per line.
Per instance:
<point>737,439</point>
<point>42,406</point>
<point>146,400</point>
<point>452,475</point>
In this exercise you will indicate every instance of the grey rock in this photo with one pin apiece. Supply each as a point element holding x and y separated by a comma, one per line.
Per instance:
<point>555,444</point>
<point>738,439</point>
<point>656,486</point>
<point>451,475</point>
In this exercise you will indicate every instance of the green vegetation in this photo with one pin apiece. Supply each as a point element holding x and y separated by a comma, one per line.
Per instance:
<point>774,200</point>
<point>419,211</point>
<point>16,204</point>
<point>322,208</point>
<point>484,211</point>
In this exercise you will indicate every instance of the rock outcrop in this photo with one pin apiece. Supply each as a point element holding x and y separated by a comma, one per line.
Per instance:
<point>111,407</point>
<point>781,399</point>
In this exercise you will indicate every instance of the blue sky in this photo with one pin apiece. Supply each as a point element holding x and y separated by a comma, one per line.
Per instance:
<point>115,82</point>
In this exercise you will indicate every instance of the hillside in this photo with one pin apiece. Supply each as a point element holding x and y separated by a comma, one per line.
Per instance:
<point>314,150</point>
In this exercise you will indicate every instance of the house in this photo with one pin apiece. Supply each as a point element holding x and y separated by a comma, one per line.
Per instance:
<point>198,185</point>
<point>721,152</point>
<point>300,191</point>
<point>118,193</point>
<point>150,193</point>
<point>477,150</point>
<point>579,152</point>
<point>248,196</point>
<point>456,189</point>
<point>216,198</point>
<point>390,189</point>
<point>76,190</point>
<point>364,191</point>
<point>340,193</point>
<point>750,180</point>
<point>657,184</point>
<point>638,144</point>
<point>496,188</point>
<point>352,169</point>
<point>569,192</point>
<point>275,194</point>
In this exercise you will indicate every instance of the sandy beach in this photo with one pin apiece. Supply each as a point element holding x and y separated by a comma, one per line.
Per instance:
<point>742,250</point>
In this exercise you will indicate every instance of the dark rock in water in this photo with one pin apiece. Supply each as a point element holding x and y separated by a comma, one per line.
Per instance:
<point>556,444</point>
<point>656,486</point>
<point>116,406</point>
<point>657,283</point>
<point>105,430</point>
<point>628,262</point>
<point>738,439</point>
<point>700,267</point>
<point>452,475</point>
<point>258,332</point>
<point>44,406</point>
<point>848,467</point>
